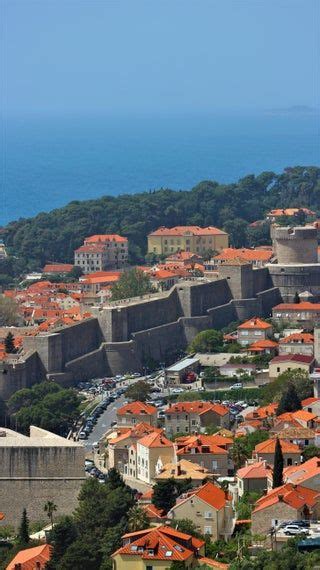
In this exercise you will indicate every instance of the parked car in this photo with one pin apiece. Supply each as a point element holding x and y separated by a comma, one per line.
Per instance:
<point>236,386</point>
<point>83,435</point>
<point>293,529</point>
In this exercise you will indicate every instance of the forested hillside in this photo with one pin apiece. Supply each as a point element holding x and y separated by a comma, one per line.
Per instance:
<point>54,236</point>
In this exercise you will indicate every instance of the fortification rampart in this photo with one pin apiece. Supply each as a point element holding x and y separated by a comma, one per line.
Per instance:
<point>295,245</point>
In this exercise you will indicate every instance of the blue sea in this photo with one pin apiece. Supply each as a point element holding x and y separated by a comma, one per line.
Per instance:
<point>49,162</point>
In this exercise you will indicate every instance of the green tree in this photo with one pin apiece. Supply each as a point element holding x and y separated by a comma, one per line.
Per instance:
<point>9,344</point>
<point>23,532</point>
<point>301,380</point>
<point>290,401</point>
<point>277,478</point>
<point>296,298</point>
<point>139,391</point>
<point>137,519</point>
<point>310,451</point>
<point>187,526</point>
<point>132,283</point>
<point>239,453</point>
<point>166,492</point>
<point>207,341</point>
<point>50,508</point>
<point>63,534</point>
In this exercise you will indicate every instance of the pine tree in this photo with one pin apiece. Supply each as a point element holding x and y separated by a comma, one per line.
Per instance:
<point>296,298</point>
<point>277,466</point>
<point>9,344</point>
<point>290,401</point>
<point>23,533</point>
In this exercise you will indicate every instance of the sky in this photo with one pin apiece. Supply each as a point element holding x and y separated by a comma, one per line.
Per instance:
<point>149,56</point>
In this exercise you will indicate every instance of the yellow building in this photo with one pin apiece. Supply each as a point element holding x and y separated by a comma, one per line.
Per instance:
<point>165,241</point>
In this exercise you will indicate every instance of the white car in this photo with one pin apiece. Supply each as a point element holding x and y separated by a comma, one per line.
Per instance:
<point>237,386</point>
<point>293,529</point>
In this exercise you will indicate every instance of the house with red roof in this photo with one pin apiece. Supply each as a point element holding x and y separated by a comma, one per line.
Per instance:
<point>135,413</point>
<point>265,450</point>
<point>158,548</point>
<point>101,251</point>
<point>280,364</point>
<point>118,446</point>
<point>253,477</point>
<point>35,558</point>
<point>307,474</point>
<point>204,451</point>
<point>285,503</point>
<point>311,405</point>
<point>194,417</point>
<point>153,451</point>
<point>258,257</point>
<point>297,343</point>
<point>209,508</point>
<point>57,268</point>
<point>304,313</point>
<point>263,347</point>
<point>255,329</point>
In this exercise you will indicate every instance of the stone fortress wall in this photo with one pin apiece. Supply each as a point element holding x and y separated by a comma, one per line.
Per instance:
<point>126,335</point>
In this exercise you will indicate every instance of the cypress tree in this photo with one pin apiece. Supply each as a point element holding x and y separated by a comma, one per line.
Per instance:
<point>277,480</point>
<point>9,344</point>
<point>296,298</point>
<point>23,533</point>
<point>289,400</point>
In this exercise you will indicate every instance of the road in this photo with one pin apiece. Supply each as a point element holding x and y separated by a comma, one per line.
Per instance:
<point>104,422</point>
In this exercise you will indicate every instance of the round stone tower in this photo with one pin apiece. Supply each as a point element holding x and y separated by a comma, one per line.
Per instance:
<point>294,246</point>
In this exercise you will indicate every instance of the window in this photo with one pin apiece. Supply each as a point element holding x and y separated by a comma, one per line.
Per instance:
<point>149,567</point>
<point>208,530</point>
<point>214,464</point>
<point>278,369</point>
<point>289,462</point>
<point>208,515</point>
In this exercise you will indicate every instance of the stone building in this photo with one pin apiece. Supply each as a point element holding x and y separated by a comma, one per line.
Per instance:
<point>265,450</point>
<point>280,364</point>
<point>252,330</point>
<point>36,469</point>
<point>191,417</point>
<point>165,241</point>
<point>297,343</point>
<point>136,413</point>
<point>153,452</point>
<point>202,450</point>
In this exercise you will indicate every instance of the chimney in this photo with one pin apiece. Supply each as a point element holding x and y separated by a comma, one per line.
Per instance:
<point>178,469</point>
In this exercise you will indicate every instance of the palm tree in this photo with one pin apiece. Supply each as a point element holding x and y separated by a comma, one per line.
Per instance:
<point>50,508</point>
<point>238,453</point>
<point>137,519</point>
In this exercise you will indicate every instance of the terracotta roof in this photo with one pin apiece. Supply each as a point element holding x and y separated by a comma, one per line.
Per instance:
<point>155,440</point>
<point>269,445</point>
<point>278,212</point>
<point>296,432</point>
<point>245,254</point>
<point>103,238</point>
<point>262,344</point>
<point>304,415</point>
<point>183,256</point>
<point>309,401</point>
<point>200,444</point>
<point>302,358</point>
<point>162,543</point>
<point>298,474</point>
<point>294,496</point>
<point>303,306</point>
<point>153,512</point>
<point>58,268</point>
<point>29,557</point>
<point>197,407</point>
<point>183,230</point>
<point>137,408</point>
<point>212,495</point>
<point>183,469</point>
<point>263,412</point>
<point>303,338</point>
<point>257,470</point>
<point>255,323</point>
<point>111,278</point>
<point>137,431</point>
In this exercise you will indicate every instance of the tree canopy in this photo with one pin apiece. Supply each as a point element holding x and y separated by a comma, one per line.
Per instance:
<point>132,283</point>
<point>55,235</point>
<point>138,391</point>
<point>210,340</point>
<point>290,401</point>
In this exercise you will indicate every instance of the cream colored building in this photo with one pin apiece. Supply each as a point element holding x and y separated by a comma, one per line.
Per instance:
<point>165,241</point>
<point>153,452</point>
<point>209,509</point>
<point>284,362</point>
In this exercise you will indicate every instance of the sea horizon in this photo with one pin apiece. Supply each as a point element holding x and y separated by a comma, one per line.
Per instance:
<point>51,161</point>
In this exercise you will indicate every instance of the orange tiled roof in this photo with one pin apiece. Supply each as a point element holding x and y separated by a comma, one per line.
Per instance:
<point>304,338</point>
<point>103,238</point>
<point>263,412</point>
<point>198,443</point>
<point>197,407</point>
<point>304,415</point>
<point>245,254</point>
<point>294,496</point>
<point>212,495</point>
<point>290,212</point>
<point>303,306</point>
<point>301,358</point>
<point>137,408</point>
<point>91,248</point>
<point>309,401</point>
<point>262,344</point>
<point>138,431</point>
<point>269,445</point>
<point>257,470</point>
<point>155,439</point>
<point>183,230</point>
<point>165,543</point>
<point>153,512</point>
<point>255,323</point>
<point>29,557</point>
<point>58,268</point>
<point>298,474</point>
<point>213,563</point>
